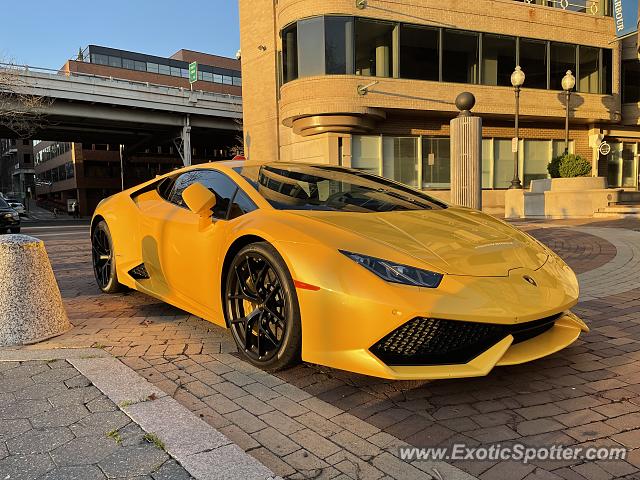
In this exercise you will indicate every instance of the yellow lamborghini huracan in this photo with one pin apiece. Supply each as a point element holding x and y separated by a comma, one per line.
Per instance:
<point>338,267</point>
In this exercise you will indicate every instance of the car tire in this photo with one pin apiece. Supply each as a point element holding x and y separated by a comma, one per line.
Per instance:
<point>15,230</point>
<point>261,308</point>
<point>103,259</point>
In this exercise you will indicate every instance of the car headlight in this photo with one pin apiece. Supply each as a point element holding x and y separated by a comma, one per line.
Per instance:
<point>15,216</point>
<point>396,272</point>
<point>8,215</point>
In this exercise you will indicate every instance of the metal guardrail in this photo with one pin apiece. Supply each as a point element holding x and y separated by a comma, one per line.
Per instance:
<point>57,74</point>
<point>591,7</point>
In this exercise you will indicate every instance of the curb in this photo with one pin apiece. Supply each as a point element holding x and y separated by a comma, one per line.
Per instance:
<point>202,450</point>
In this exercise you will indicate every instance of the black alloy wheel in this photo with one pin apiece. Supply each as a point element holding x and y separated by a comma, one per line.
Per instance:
<point>104,267</point>
<point>262,308</point>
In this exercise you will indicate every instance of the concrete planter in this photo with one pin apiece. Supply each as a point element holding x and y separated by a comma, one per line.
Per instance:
<point>578,197</point>
<point>31,308</point>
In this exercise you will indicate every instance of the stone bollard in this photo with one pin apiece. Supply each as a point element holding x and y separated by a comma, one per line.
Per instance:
<point>31,308</point>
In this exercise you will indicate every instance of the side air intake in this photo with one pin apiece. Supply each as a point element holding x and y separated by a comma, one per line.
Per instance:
<point>139,272</point>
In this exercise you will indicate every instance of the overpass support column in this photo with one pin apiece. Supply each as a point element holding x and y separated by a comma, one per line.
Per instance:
<point>186,142</point>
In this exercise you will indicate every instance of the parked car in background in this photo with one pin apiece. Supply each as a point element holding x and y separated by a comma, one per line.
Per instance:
<point>9,218</point>
<point>18,207</point>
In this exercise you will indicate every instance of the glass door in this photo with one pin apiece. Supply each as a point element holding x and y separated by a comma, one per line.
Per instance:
<point>623,165</point>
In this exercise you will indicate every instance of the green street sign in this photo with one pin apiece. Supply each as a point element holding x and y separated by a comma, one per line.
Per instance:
<point>193,72</point>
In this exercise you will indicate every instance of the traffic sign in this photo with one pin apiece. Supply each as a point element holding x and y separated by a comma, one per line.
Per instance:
<point>193,72</point>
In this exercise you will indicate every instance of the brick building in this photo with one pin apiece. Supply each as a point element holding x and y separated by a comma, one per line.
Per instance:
<point>17,174</point>
<point>87,173</point>
<point>305,63</point>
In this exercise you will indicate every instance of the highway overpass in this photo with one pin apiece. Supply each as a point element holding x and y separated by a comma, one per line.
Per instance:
<point>95,109</point>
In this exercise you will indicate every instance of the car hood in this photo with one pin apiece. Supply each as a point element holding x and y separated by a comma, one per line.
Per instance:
<point>456,241</point>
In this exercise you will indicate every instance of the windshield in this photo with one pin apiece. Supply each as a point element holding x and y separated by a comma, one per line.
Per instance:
<point>289,186</point>
<point>3,204</point>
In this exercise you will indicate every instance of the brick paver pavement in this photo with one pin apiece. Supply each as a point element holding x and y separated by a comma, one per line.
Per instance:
<point>313,421</point>
<point>55,425</point>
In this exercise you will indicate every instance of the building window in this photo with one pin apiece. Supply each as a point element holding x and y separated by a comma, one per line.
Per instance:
<point>290,53</point>
<point>419,53</point>
<point>207,76</point>
<point>533,60</point>
<point>374,48</point>
<point>338,37</point>
<point>115,61</point>
<point>227,80</point>
<point>140,66</point>
<point>365,153</point>
<point>607,71</point>
<point>130,64</point>
<point>631,81</point>
<point>175,72</point>
<point>217,78</point>
<point>563,59</point>
<point>400,159</point>
<point>502,163</point>
<point>498,59</point>
<point>487,164</point>
<point>311,56</point>
<point>99,59</point>
<point>589,71</point>
<point>152,67</point>
<point>343,45</point>
<point>537,155</point>
<point>164,69</point>
<point>237,81</point>
<point>460,56</point>
<point>436,162</point>
<point>622,165</point>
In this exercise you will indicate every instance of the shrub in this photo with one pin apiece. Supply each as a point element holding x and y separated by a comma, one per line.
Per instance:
<point>574,166</point>
<point>554,166</point>
<point>569,166</point>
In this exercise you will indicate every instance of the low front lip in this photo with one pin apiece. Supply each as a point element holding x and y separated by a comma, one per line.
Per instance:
<point>566,330</point>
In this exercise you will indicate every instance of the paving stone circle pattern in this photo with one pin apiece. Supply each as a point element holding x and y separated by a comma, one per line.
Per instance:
<point>315,422</point>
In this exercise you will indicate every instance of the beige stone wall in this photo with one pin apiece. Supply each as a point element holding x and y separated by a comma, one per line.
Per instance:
<point>258,45</point>
<point>338,94</point>
<point>410,107</point>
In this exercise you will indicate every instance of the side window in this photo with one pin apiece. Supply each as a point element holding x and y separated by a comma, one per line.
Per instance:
<point>225,190</point>
<point>181,183</point>
<point>165,186</point>
<point>222,186</point>
<point>241,204</point>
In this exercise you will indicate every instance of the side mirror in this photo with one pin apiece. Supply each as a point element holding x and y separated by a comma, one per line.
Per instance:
<point>199,199</point>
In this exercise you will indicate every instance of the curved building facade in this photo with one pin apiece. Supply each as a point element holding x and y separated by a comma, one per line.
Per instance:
<point>371,84</point>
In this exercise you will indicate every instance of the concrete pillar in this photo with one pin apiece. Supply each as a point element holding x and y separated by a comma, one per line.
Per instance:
<point>466,155</point>
<point>31,308</point>
<point>186,142</point>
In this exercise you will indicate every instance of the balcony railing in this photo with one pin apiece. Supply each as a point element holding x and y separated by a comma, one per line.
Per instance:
<point>591,7</point>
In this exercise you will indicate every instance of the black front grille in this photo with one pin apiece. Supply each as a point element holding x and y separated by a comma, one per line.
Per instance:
<point>429,341</point>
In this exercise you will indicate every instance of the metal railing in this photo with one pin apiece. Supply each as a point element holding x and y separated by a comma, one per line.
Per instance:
<point>124,82</point>
<point>591,7</point>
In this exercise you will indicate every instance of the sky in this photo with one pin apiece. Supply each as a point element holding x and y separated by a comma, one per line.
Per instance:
<point>46,33</point>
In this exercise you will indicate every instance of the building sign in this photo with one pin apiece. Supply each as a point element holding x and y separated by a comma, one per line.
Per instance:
<point>625,15</point>
<point>193,69</point>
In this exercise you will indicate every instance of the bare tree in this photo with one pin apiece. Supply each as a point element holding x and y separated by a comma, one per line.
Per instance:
<point>21,113</point>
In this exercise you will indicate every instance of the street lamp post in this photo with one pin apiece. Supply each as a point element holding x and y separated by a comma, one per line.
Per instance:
<point>517,80</point>
<point>568,82</point>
